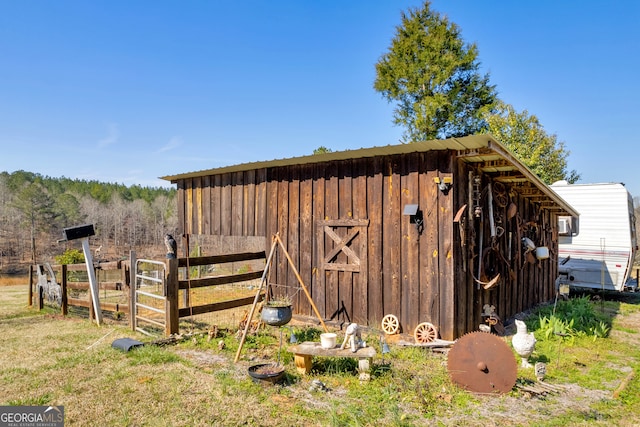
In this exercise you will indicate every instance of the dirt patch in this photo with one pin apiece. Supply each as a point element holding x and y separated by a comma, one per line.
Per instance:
<point>203,359</point>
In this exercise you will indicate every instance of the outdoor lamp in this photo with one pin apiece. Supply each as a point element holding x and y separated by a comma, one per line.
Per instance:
<point>415,216</point>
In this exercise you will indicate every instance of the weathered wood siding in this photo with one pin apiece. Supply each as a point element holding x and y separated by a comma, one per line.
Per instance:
<point>523,284</point>
<point>386,267</point>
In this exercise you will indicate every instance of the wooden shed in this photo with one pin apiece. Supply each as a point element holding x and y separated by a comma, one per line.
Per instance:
<point>429,231</point>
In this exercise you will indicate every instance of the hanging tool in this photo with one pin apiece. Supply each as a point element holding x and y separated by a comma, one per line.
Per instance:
<point>460,219</point>
<point>492,224</point>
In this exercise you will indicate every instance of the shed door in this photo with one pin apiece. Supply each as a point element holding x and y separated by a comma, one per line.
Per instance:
<point>342,265</point>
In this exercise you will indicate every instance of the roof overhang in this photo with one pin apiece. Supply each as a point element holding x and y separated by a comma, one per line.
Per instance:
<point>483,152</point>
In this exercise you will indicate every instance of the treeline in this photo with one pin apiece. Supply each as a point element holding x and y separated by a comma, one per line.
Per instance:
<point>34,209</point>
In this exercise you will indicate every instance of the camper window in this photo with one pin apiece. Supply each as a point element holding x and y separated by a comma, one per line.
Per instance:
<point>564,225</point>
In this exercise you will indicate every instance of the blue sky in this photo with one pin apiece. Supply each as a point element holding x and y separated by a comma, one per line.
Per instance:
<point>129,91</point>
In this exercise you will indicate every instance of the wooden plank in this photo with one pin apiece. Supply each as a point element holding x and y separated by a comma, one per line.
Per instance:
<point>459,189</point>
<point>281,263</point>
<point>114,307</point>
<point>261,204</point>
<point>392,212</point>
<point>77,302</point>
<point>221,259</point>
<point>293,232</point>
<point>225,205</point>
<point>217,306</point>
<point>429,277</point>
<point>306,237</point>
<point>331,212</point>
<point>181,206</point>
<point>345,210</point>
<point>332,266</point>
<point>318,284</point>
<point>198,210</point>
<point>343,222</point>
<point>360,297</point>
<point>188,194</point>
<point>445,208</point>
<point>271,215</point>
<point>410,241</point>
<point>237,203</point>
<point>206,204</point>
<point>315,349</point>
<point>112,265</point>
<point>374,282</point>
<point>249,204</point>
<point>219,280</point>
<point>216,195</point>
<point>109,286</point>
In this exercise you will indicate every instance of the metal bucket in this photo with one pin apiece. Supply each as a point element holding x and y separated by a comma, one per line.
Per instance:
<point>276,315</point>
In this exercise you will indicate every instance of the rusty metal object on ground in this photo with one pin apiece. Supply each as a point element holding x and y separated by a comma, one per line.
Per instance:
<point>483,363</point>
<point>425,332</point>
<point>390,324</point>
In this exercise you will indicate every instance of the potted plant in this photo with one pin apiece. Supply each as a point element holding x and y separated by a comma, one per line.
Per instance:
<point>277,311</point>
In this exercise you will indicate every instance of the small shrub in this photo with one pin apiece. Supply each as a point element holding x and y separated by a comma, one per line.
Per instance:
<point>574,317</point>
<point>70,256</point>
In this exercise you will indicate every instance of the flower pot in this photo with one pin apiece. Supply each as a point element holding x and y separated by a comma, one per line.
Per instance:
<point>276,315</point>
<point>328,340</point>
<point>266,373</point>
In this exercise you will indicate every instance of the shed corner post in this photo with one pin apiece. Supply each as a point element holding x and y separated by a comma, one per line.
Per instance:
<point>171,304</point>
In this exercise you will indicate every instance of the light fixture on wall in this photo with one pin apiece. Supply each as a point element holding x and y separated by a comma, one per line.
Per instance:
<point>444,184</point>
<point>415,216</point>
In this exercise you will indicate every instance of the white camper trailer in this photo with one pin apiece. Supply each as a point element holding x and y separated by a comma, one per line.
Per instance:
<point>596,250</point>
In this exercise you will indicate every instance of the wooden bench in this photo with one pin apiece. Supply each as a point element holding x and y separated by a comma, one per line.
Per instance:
<point>305,351</point>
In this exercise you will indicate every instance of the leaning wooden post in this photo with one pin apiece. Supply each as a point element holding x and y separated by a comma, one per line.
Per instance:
<point>83,232</point>
<point>172,313</point>
<point>255,300</point>
<point>304,288</point>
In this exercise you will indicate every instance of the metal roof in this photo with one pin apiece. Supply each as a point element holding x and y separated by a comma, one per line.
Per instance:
<point>483,152</point>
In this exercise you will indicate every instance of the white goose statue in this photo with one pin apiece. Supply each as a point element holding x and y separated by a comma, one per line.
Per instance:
<point>523,342</point>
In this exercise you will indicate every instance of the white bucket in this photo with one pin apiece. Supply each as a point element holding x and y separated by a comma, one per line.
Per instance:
<point>328,340</point>
<point>542,252</point>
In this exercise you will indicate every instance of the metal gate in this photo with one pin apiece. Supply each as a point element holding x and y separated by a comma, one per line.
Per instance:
<point>150,295</point>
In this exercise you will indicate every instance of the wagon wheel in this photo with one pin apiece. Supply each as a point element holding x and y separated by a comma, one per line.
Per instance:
<point>425,332</point>
<point>390,324</point>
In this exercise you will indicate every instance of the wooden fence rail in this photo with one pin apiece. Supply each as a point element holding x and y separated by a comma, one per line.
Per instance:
<point>172,285</point>
<point>120,269</point>
<point>175,313</point>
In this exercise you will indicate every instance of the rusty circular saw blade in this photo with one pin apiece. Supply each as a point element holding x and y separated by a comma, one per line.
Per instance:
<point>482,362</point>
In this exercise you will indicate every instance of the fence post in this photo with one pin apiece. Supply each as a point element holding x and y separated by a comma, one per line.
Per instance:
<point>132,290</point>
<point>40,297</point>
<point>30,285</point>
<point>65,300</point>
<point>171,302</point>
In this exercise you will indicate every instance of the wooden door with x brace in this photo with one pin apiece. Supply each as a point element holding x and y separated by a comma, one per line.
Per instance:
<point>342,267</point>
